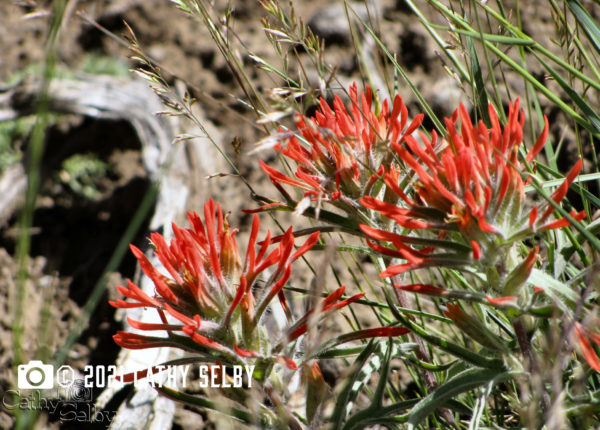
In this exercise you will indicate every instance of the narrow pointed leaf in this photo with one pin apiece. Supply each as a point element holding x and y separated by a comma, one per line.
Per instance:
<point>478,84</point>
<point>344,396</point>
<point>552,286</point>
<point>458,384</point>
<point>591,28</point>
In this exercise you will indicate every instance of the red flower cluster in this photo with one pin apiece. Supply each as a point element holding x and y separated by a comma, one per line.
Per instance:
<point>474,185</point>
<point>209,290</point>
<point>339,152</point>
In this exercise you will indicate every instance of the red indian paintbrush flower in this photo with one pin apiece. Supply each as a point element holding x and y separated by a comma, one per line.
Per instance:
<point>340,152</point>
<point>474,186</point>
<point>213,295</point>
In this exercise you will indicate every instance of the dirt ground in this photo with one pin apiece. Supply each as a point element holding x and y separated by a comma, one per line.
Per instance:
<point>65,257</point>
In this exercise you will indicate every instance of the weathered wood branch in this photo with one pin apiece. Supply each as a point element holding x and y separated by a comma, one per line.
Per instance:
<point>169,164</point>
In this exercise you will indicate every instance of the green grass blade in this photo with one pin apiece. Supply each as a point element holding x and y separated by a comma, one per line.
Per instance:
<point>26,418</point>
<point>428,110</point>
<point>458,66</point>
<point>591,115</point>
<point>479,92</point>
<point>505,40</point>
<point>585,20</point>
<point>540,48</point>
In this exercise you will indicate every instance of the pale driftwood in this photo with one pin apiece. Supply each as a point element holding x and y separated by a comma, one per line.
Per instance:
<point>13,185</point>
<point>170,164</point>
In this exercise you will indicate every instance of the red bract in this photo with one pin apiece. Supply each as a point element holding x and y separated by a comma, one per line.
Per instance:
<point>209,289</point>
<point>338,152</point>
<point>329,304</point>
<point>583,336</point>
<point>474,185</point>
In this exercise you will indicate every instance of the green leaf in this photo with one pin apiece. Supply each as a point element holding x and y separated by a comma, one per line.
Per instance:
<point>479,86</point>
<point>365,417</point>
<point>339,352</point>
<point>556,182</point>
<point>593,228</point>
<point>540,48</point>
<point>351,384</point>
<point>552,286</point>
<point>477,331</point>
<point>591,28</point>
<point>325,349</point>
<point>370,418</point>
<point>375,358</point>
<point>460,383</point>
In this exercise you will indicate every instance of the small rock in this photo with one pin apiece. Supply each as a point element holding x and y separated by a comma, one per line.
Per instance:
<point>445,95</point>
<point>330,22</point>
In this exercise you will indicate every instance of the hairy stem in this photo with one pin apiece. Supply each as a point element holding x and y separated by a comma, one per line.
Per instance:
<point>533,367</point>
<point>422,352</point>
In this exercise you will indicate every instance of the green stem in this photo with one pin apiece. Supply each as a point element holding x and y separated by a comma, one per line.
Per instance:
<point>36,151</point>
